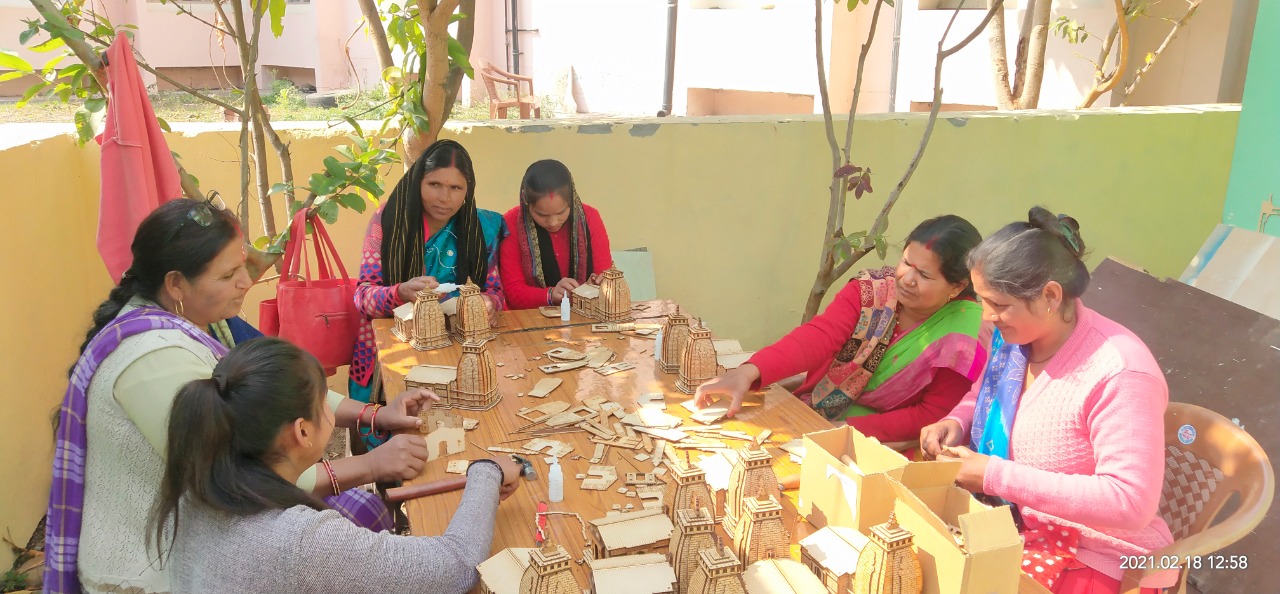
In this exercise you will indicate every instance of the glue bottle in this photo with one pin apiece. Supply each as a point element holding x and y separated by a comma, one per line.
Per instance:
<point>564,307</point>
<point>657,346</point>
<point>555,483</point>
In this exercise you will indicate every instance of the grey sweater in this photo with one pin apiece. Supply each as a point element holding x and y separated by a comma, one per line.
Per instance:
<point>304,550</point>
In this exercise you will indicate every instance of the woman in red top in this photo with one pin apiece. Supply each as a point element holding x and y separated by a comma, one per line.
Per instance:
<point>556,242</point>
<point>897,348</point>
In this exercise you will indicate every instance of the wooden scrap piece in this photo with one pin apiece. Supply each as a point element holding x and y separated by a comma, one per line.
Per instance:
<point>612,327</point>
<point>470,424</point>
<point>737,435</point>
<point>599,455</point>
<point>667,434</point>
<point>656,400</point>
<point>558,449</point>
<point>642,478</point>
<point>457,466</point>
<point>500,449</point>
<point>615,368</point>
<point>641,457</point>
<point>542,412</point>
<point>764,436</point>
<point>590,426</point>
<point>558,367</point>
<point>594,402</point>
<point>651,492</point>
<point>570,417</point>
<point>659,449</point>
<point>646,442</point>
<point>630,493</point>
<point>600,478</point>
<point>550,311</point>
<point>566,354</point>
<point>710,414</point>
<point>545,386</point>
<point>443,433</point>
<point>598,356</point>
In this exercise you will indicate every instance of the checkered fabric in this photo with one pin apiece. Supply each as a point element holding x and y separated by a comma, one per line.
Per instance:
<point>1189,482</point>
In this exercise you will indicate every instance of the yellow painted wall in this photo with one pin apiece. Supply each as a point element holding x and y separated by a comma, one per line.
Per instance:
<point>731,209</point>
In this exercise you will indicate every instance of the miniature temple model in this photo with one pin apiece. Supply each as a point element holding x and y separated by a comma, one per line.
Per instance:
<point>646,531</point>
<point>443,433</point>
<point>469,318</point>
<point>888,564</point>
<point>761,532</point>
<point>695,531</point>
<point>780,576</point>
<point>675,336</point>
<point>718,572</point>
<point>549,572</point>
<point>698,363</point>
<point>687,487</point>
<point>610,301</point>
<point>471,385</point>
<point>429,330</point>
<point>832,554</point>
<point>500,574</point>
<point>752,476</point>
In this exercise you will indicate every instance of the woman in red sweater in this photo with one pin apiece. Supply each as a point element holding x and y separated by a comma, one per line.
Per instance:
<point>897,348</point>
<point>556,242</point>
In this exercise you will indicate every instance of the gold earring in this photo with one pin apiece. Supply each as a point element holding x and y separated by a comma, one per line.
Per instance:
<point>309,444</point>
<point>180,311</point>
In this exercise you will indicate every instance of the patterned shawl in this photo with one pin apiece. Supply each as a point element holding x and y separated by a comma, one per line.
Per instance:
<point>536,255</point>
<point>66,498</point>
<point>873,371</point>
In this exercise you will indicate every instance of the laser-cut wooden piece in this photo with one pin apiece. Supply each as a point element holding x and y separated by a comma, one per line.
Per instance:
<point>600,477</point>
<point>566,354</point>
<point>559,367</point>
<point>542,412</point>
<point>615,368</point>
<point>545,386</point>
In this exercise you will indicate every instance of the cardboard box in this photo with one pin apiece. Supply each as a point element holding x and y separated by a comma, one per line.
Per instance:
<point>832,492</point>
<point>990,562</point>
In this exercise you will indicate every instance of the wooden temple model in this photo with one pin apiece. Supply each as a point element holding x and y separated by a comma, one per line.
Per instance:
<point>695,531</point>
<point>501,573</point>
<point>888,564</point>
<point>549,572</point>
<point>687,488</point>
<point>467,315</point>
<point>752,475</point>
<point>472,385</point>
<point>648,573</point>
<point>698,362</point>
<point>644,531</point>
<point>610,301</point>
<point>761,532</point>
<point>675,336</point>
<point>832,554</point>
<point>719,571</point>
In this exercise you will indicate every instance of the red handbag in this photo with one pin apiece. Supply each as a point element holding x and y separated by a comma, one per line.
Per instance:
<point>318,314</point>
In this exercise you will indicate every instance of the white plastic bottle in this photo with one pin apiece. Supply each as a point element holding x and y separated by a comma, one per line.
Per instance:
<point>564,307</point>
<point>555,483</point>
<point>657,346</point>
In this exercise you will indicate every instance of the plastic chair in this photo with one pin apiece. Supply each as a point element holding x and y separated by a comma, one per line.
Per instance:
<point>1200,477</point>
<point>521,86</point>
<point>1269,209</point>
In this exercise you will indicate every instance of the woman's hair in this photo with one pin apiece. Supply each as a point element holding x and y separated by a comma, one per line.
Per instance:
<point>1021,258</point>
<point>169,239</point>
<point>402,236</point>
<point>950,238</point>
<point>544,177</point>
<point>223,430</point>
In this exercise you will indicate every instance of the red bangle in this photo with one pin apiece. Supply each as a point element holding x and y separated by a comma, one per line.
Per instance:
<point>361,416</point>
<point>333,478</point>
<point>373,430</point>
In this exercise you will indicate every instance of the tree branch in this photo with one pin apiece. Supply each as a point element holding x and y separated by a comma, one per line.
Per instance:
<point>857,83</point>
<point>87,55</point>
<point>178,5</point>
<point>1024,45</point>
<point>1179,24</point>
<point>1028,95</point>
<point>826,97</point>
<point>999,57</point>
<point>373,20</point>
<point>1102,85</point>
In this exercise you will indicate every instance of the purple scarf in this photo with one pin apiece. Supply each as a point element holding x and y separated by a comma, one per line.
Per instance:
<point>66,498</point>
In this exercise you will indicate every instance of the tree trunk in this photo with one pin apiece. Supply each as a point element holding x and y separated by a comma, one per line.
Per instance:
<point>1024,92</point>
<point>999,58</point>
<point>434,17</point>
<point>372,20</point>
<point>1029,94</point>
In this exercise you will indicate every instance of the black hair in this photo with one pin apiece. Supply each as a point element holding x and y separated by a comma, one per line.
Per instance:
<point>402,236</point>
<point>950,238</point>
<point>540,180</point>
<point>544,177</point>
<point>223,430</point>
<point>1023,257</point>
<point>169,239</point>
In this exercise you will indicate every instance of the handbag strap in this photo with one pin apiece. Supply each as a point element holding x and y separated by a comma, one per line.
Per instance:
<point>295,250</point>
<point>297,237</point>
<point>322,239</point>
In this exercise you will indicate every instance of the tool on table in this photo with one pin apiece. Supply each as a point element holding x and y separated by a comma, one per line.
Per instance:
<point>539,532</point>
<point>407,492</point>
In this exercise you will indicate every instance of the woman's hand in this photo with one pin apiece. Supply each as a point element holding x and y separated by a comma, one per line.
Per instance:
<point>935,437</point>
<point>408,290</point>
<point>400,459</point>
<point>562,288</point>
<point>511,474</point>
<point>973,467</point>
<point>734,384</point>
<point>402,413</point>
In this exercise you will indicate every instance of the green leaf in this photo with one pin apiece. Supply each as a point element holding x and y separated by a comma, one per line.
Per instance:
<point>277,188</point>
<point>95,104</point>
<point>50,45</point>
<point>319,184</point>
<point>889,2</point>
<point>843,250</point>
<point>275,8</point>
<point>354,124</point>
<point>262,243</point>
<point>51,64</point>
<point>164,124</point>
<point>856,238</point>
<point>13,61</point>
<point>345,151</point>
<point>84,128</point>
<point>33,27</point>
<point>367,185</point>
<point>882,246</point>
<point>334,168</point>
<point>328,211</point>
<point>458,56</point>
<point>31,92</point>
<point>12,74</point>
<point>352,201</point>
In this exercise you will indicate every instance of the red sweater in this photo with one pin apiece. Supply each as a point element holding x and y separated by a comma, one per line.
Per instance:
<point>813,346</point>
<point>521,294</point>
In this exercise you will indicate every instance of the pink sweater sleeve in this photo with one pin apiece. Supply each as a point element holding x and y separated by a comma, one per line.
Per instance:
<point>814,343</point>
<point>1125,423</point>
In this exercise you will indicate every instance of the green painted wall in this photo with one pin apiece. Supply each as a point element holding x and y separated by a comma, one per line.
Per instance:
<point>1255,168</point>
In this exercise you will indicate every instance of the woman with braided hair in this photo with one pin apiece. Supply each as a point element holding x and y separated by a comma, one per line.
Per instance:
<point>428,232</point>
<point>556,241</point>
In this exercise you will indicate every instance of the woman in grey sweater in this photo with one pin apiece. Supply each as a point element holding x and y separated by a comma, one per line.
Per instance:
<point>229,518</point>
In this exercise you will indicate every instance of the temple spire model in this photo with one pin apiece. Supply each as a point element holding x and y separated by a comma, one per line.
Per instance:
<point>888,564</point>
<point>698,362</point>
<point>675,336</point>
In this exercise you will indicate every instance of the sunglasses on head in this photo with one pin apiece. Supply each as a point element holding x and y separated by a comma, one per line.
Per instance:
<point>201,213</point>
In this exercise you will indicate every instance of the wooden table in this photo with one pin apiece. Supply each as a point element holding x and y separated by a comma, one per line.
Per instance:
<point>527,334</point>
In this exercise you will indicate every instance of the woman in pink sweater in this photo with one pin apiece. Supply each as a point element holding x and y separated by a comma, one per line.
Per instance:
<point>1067,422</point>
<point>556,241</point>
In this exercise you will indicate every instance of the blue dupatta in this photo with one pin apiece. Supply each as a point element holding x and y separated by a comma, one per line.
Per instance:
<point>998,398</point>
<point>440,253</point>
